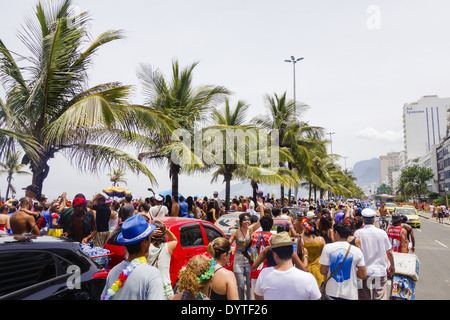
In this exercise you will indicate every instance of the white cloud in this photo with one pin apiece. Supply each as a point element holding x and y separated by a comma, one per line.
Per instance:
<point>374,135</point>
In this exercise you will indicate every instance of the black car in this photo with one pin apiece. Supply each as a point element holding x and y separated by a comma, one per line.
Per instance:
<point>47,268</point>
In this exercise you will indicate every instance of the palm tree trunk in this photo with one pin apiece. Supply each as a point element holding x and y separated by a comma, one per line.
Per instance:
<point>174,172</point>
<point>9,184</point>
<point>39,175</point>
<point>255,188</point>
<point>228,176</point>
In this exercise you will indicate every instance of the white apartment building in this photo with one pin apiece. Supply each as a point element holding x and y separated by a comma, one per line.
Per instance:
<point>425,123</point>
<point>390,165</point>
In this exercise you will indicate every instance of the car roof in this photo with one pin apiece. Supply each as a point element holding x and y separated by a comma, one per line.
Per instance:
<point>176,221</point>
<point>231,215</point>
<point>47,242</point>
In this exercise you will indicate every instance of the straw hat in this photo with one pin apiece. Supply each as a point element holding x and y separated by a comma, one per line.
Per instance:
<point>281,239</point>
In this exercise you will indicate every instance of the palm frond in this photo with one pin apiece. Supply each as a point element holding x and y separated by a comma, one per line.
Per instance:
<point>93,158</point>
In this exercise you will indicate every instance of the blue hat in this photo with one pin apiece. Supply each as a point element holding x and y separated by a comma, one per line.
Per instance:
<point>135,229</point>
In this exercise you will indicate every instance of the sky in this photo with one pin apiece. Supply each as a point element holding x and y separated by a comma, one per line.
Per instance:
<point>363,60</point>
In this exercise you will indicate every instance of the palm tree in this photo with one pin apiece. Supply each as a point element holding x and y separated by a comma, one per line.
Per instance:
<point>11,167</point>
<point>117,176</point>
<point>183,106</point>
<point>297,136</point>
<point>53,110</point>
<point>238,160</point>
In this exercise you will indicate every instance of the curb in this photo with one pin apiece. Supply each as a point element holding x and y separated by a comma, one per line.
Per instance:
<point>428,216</point>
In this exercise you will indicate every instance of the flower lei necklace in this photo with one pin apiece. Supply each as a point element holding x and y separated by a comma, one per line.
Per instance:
<point>123,277</point>
<point>208,273</point>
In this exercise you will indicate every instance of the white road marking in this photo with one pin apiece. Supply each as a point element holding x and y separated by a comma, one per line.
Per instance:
<point>441,244</point>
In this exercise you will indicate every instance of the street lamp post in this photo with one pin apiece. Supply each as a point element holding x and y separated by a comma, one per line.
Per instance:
<point>294,61</point>
<point>331,141</point>
<point>446,195</point>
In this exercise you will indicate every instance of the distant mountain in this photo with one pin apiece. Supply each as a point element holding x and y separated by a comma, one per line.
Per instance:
<point>367,172</point>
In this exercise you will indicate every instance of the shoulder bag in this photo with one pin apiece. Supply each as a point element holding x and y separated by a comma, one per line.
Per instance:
<point>323,286</point>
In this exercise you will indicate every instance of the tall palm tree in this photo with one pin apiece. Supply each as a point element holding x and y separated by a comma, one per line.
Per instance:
<point>237,160</point>
<point>183,106</point>
<point>295,135</point>
<point>49,107</point>
<point>117,176</point>
<point>11,167</point>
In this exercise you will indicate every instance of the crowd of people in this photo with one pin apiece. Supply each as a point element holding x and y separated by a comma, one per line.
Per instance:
<point>330,250</point>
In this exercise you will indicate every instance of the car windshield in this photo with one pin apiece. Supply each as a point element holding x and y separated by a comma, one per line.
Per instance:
<point>390,204</point>
<point>228,222</point>
<point>406,211</point>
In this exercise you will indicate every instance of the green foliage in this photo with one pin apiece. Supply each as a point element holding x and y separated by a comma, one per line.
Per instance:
<point>413,181</point>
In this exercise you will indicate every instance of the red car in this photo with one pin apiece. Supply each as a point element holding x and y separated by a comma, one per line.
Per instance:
<point>193,238</point>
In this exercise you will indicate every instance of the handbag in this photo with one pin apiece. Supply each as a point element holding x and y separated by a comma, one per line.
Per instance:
<point>323,286</point>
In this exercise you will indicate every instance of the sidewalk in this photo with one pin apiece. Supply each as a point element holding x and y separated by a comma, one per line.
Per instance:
<point>427,215</point>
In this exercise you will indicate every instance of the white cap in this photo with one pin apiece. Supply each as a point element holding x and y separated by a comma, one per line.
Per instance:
<point>159,198</point>
<point>368,213</point>
<point>310,215</point>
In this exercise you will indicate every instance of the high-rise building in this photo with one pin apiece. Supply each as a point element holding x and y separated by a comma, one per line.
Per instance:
<point>391,164</point>
<point>425,123</point>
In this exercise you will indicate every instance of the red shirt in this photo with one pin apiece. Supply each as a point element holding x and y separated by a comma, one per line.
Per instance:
<point>263,243</point>
<point>395,236</point>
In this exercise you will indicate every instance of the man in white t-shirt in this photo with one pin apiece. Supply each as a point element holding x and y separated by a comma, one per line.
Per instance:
<point>377,250</point>
<point>432,210</point>
<point>284,281</point>
<point>344,283</point>
<point>159,210</point>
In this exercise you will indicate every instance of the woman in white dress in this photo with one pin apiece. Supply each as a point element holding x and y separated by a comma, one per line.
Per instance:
<point>160,254</point>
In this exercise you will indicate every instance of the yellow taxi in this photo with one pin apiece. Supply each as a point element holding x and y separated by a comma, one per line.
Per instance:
<point>410,213</point>
<point>390,206</point>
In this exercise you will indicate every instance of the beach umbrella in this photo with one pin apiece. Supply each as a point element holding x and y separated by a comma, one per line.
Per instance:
<point>168,192</point>
<point>116,192</point>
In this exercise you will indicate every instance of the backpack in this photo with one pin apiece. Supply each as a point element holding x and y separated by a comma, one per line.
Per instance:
<point>42,222</point>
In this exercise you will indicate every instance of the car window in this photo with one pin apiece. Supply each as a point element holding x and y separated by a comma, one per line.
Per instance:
<point>406,211</point>
<point>211,233</point>
<point>23,269</point>
<point>191,236</point>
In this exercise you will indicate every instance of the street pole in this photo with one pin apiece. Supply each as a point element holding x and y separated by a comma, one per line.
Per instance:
<point>294,61</point>
<point>331,141</point>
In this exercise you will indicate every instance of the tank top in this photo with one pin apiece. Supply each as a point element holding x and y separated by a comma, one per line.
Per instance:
<point>216,296</point>
<point>242,240</point>
<point>395,236</point>
<point>159,257</point>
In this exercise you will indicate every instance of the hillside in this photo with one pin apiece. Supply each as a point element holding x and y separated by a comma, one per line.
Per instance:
<point>367,172</point>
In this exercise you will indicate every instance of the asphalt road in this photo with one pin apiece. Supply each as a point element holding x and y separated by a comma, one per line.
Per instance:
<point>433,251</point>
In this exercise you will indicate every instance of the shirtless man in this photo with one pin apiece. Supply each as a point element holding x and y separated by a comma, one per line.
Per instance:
<point>175,207</point>
<point>410,235</point>
<point>21,221</point>
<point>384,213</point>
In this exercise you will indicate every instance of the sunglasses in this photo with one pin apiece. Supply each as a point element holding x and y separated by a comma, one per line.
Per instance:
<point>245,219</point>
